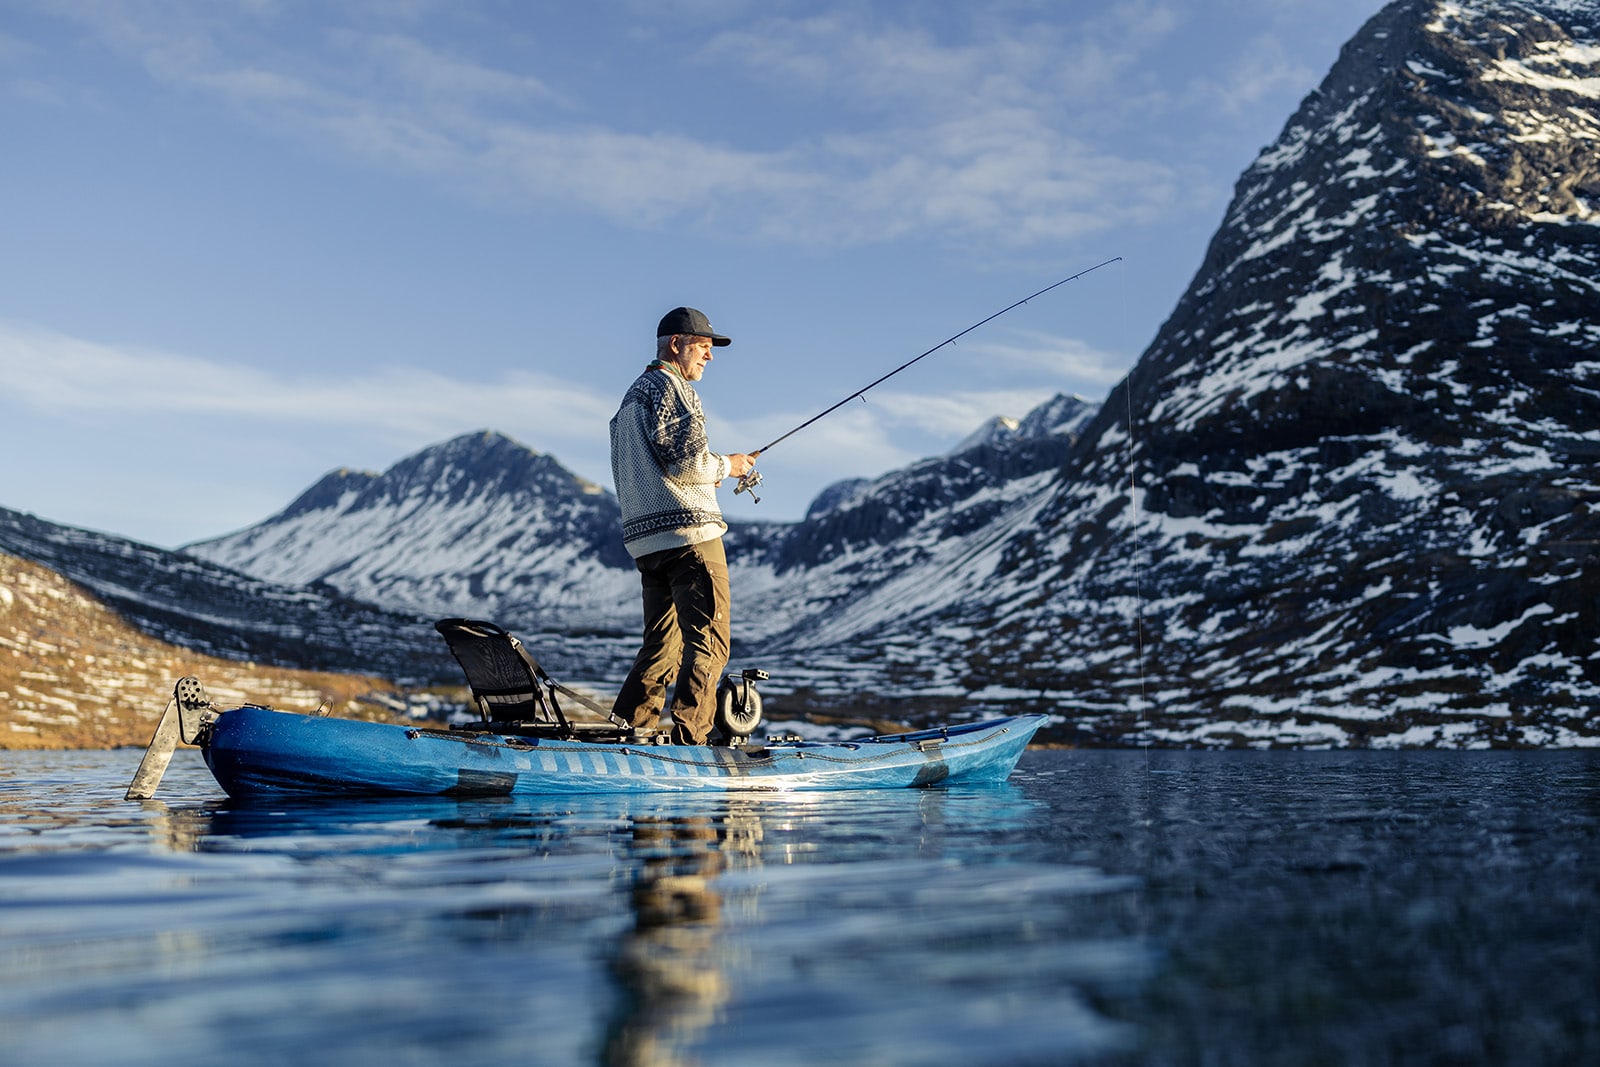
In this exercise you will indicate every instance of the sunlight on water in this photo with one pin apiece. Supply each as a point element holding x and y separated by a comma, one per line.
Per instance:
<point>1103,907</point>
<point>649,930</point>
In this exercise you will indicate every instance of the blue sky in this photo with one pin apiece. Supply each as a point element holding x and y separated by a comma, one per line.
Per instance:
<point>247,243</point>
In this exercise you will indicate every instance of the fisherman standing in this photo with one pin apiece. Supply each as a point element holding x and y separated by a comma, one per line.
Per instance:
<point>666,477</point>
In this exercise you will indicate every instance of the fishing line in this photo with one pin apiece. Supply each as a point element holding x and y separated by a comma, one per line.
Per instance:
<point>752,477</point>
<point>1138,555</point>
<point>1138,546</point>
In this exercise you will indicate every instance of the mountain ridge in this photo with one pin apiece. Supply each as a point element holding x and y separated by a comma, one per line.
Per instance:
<point>483,524</point>
<point>198,605</point>
<point>1365,445</point>
<point>1360,448</point>
<point>76,674</point>
<point>1347,496</point>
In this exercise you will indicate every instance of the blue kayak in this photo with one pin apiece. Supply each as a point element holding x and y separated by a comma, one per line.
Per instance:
<point>525,741</point>
<point>254,751</point>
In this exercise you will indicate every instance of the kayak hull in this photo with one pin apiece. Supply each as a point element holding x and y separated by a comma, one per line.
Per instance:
<point>256,751</point>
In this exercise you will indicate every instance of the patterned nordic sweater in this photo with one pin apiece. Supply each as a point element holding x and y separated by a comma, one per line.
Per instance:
<point>666,475</point>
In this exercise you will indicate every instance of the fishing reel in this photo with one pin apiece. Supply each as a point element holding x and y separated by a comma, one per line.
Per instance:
<point>747,484</point>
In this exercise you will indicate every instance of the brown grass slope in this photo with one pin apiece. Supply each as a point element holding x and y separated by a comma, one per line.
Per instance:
<point>73,674</point>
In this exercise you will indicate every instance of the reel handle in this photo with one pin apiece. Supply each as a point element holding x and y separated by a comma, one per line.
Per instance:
<point>749,480</point>
<point>747,484</point>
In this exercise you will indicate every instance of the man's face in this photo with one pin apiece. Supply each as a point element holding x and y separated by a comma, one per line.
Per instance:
<point>693,355</point>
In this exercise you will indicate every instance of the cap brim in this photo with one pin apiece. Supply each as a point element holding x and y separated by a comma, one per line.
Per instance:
<point>719,341</point>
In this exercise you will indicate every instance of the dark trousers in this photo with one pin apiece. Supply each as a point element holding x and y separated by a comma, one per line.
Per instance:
<point>686,626</point>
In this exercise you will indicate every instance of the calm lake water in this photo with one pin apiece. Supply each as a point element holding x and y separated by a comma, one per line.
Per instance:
<point>1103,907</point>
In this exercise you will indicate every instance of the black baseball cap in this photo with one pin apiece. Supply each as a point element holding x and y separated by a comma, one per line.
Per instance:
<point>690,321</point>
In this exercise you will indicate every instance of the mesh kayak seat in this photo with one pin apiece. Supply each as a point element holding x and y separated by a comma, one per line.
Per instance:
<point>509,687</point>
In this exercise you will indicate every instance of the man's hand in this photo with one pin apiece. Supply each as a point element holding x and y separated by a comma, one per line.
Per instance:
<point>739,464</point>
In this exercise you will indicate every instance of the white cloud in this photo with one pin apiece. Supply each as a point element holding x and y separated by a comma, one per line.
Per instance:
<point>1064,358</point>
<point>422,71</point>
<point>871,63</point>
<point>632,178</point>
<point>1263,71</point>
<point>974,139</point>
<point>53,373</point>
<point>955,415</point>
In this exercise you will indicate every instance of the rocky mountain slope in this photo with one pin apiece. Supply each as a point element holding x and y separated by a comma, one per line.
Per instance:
<point>479,525</point>
<point>74,674</point>
<point>1348,496</point>
<point>1365,442</point>
<point>210,609</point>
<point>482,525</point>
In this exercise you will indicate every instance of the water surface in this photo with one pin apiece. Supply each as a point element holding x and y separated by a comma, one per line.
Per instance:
<point>1102,907</point>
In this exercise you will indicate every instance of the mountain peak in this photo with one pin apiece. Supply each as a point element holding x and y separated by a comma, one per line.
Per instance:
<point>1062,415</point>
<point>1344,498</point>
<point>1363,437</point>
<point>438,529</point>
<point>478,465</point>
<point>996,430</point>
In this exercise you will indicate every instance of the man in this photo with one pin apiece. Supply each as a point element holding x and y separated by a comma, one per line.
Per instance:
<point>667,478</point>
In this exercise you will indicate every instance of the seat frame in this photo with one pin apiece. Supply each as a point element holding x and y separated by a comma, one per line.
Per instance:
<point>513,694</point>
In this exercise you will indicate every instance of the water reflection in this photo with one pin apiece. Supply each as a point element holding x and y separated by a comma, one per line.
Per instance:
<point>670,964</point>
<point>924,926</point>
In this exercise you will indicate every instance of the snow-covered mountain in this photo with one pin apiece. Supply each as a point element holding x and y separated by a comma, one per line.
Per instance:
<point>1348,495</point>
<point>1362,452</point>
<point>201,606</point>
<point>1366,439</point>
<point>479,526</point>
<point>1061,416</point>
<point>484,526</point>
<point>997,429</point>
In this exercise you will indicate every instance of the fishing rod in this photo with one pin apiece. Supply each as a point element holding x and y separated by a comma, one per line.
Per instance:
<point>752,477</point>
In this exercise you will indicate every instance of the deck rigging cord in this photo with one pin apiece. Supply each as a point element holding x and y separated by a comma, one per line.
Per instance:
<point>752,477</point>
